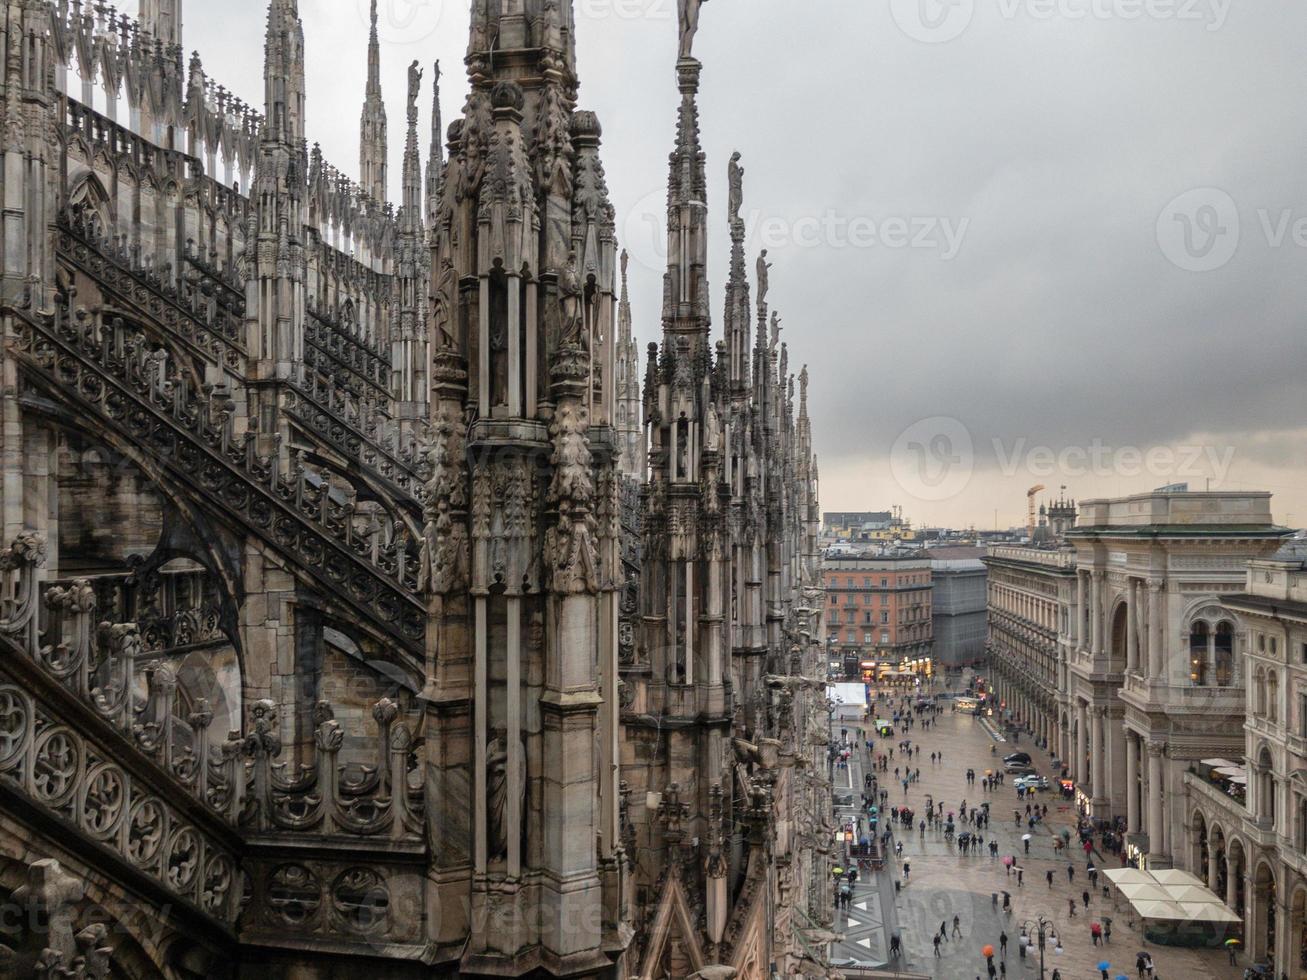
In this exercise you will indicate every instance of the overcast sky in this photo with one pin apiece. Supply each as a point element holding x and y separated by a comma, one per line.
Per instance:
<point>1017,241</point>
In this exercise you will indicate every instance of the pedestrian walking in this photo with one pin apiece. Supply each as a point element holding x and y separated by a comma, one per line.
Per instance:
<point>1002,942</point>
<point>1071,907</point>
<point>1085,896</point>
<point>1002,969</point>
<point>1107,929</point>
<point>1095,933</point>
<point>1070,873</point>
<point>1020,873</point>
<point>1048,875</point>
<point>1230,950</point>
<point>957,927</point>
<point>943,931</point>
<point>936,944</point>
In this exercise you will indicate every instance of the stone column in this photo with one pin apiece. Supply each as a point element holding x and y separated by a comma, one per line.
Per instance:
<point>1078,617</point>
<point>1096,613</point>
<point>1131,783</point>
<point>1082,743</point>
<point>1156,632</point>
<point>1155,833</point>
<point>1097,754</point>
<point>1132,625</point>
<point>1211,865</point>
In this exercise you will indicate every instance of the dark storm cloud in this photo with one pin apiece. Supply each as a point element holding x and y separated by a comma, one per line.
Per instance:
<point>1054,133</point>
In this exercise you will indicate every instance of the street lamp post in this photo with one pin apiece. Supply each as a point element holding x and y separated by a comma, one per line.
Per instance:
<point>1041,928</point>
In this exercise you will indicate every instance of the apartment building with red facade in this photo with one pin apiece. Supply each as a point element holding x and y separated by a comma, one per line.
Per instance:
<point>878,614</point>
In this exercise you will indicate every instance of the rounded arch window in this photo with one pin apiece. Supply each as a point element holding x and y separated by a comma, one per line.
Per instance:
<point>1223,648</point>
<point>1198,639</point>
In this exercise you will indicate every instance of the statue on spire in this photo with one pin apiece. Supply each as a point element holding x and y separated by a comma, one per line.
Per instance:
<point>414,86</point>
<point>735,177</point>
<point>689,26</point>
<point>763,283</point>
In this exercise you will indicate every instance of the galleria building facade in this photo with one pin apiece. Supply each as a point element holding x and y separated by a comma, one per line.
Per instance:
<point>366,606</point>
<point>1160,646</point>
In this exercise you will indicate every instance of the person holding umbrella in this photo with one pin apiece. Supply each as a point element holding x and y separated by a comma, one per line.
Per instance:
<point>1103,967</point>
<point>1232,947</point>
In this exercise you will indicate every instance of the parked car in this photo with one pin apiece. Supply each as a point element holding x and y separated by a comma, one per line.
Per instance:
<point>1018,757</point>
<point>1033,781</point>
<point>1019,768</point>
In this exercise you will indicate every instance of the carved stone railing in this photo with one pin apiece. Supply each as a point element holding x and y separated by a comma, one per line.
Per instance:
<point>59,749</point>
<point>238,780</point>
<point>334,351</point>
<point>110,376</point>
<point>327,414</point>
<point>331,798</point>
<point>208,324</point>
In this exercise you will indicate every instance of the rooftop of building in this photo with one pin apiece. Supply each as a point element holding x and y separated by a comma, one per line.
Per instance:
<point>1180,512</point>
<point>952,552</point>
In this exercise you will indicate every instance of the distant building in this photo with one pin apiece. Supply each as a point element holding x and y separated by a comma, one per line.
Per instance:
<point>958,601</point>
<point>879,613</point>
<point>866,527</point>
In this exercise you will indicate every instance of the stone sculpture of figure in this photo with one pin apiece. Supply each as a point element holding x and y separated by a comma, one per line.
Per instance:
<point>711,430</point>
<point>763,284</point>
<point>414,84</point>
<point>689,26</point>
<point>444,305</point>
<point>499,361</point>
<point>569,289</point>
<point>775,329</point>
<point>497,797</point>
<point>735,178</point>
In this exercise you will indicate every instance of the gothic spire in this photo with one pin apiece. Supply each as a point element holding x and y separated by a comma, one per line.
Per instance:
<point>738,311</point>
<point>624,309</point>
<point>283,74</point>
<point>372,126</point>
<point>525,25</point>
<point>686,291</point>
<point>436,156</point>
<point>411,216</point>
<point>163,19</point>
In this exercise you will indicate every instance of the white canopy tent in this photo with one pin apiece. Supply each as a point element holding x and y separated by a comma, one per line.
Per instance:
<point>1169,895</point>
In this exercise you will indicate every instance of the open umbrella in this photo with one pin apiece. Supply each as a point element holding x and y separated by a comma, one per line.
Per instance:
<point>1104,965</point>
<point>1025,836</point>
<point>987,951</point>
<point>1233,942</point>
<point>1008,861</point>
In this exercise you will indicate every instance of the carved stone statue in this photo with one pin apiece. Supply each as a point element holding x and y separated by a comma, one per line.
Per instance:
<point>569,294</point>
<point>735,179</point>
<point>775,330</point>
<point>689,26</point>
<point>712,435</point>
<point>414,85</point>
<point>763,279</point>
<point>497,797</point>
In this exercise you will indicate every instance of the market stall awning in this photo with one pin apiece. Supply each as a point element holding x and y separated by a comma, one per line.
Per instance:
<point>1174,876</point>
<point>1224,763</point>
<point>1169,895</point>
<point>1123,876</point>
<point>1144,891</point>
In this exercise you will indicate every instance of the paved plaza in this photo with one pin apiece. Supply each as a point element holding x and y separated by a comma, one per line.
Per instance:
<point>944,883</point>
